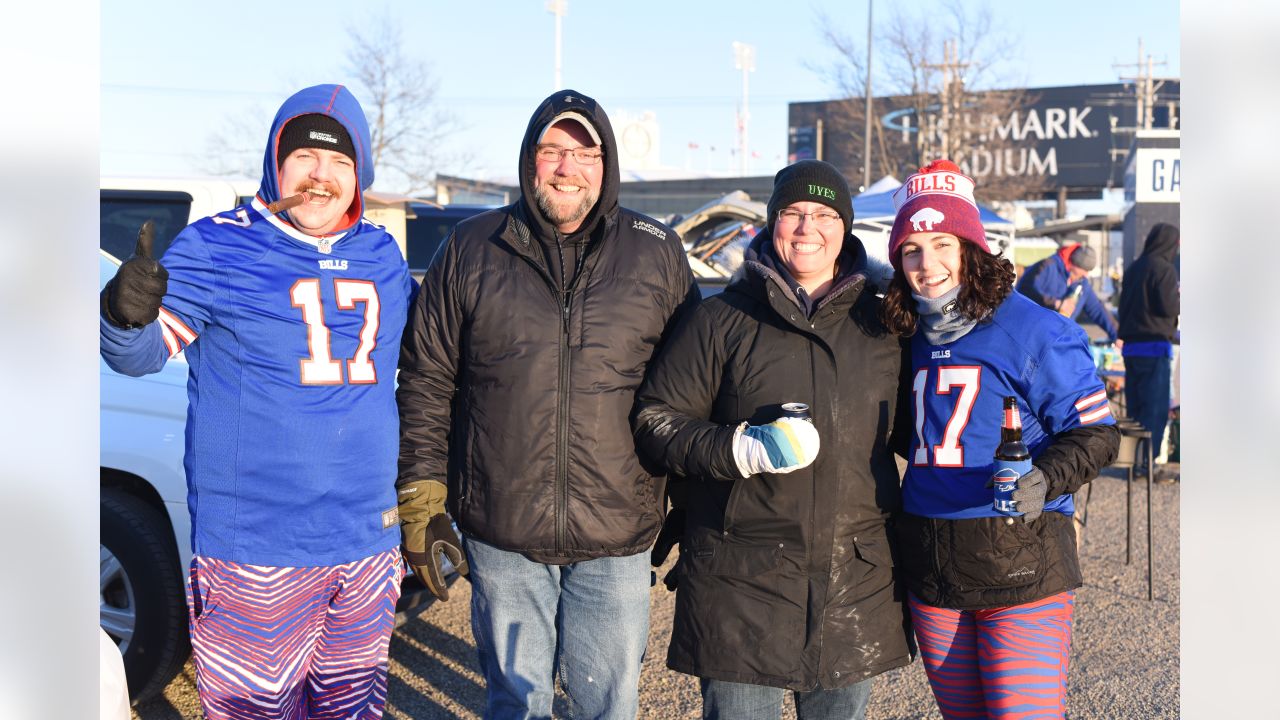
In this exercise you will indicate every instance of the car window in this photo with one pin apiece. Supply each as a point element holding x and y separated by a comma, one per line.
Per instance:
<point>425,235</point>
<point>122,212</point>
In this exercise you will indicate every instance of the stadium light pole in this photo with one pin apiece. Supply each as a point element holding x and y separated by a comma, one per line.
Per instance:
<point>866,131</point>
<point>559,8</point>
<point>744,59</point>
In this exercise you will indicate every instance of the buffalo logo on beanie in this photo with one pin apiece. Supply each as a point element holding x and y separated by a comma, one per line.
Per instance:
<point>938,198</point>
<point>314,130</point>
<point>811,181</point>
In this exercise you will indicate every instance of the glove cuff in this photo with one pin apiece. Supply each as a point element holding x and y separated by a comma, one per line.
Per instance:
<point>420,500</point>
<point>741,450</point>
<point>104,304</point>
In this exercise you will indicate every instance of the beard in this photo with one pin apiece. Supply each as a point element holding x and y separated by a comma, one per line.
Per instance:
<point>566,213</point>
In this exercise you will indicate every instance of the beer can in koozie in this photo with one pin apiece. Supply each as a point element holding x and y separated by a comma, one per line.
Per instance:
<point>796,410</point>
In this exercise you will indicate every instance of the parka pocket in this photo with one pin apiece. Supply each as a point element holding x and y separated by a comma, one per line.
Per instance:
<point>990,553</point>
<point>738,609</point>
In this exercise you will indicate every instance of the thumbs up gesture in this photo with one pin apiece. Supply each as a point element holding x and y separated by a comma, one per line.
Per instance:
<point>132,298</point>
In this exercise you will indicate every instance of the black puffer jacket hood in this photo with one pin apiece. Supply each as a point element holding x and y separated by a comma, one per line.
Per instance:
<point>607,208</point>
<point>1162,242</point>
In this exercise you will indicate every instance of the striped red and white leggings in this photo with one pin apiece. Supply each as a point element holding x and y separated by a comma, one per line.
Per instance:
<point>289,643</point>
<point>1008,662</point>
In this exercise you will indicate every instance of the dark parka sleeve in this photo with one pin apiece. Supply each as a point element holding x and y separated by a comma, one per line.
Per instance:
<point>429,354</point>
<point>1076,456</point>
<point>670,424</point>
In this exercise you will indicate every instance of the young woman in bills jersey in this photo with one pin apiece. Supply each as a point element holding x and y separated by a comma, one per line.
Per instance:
<point>991,595</point>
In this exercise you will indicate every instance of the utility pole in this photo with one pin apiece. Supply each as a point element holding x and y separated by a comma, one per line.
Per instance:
<point>1145,87</point>
<point>952,94</point>
<point>866,130</point>
<point>744,59</point>
<point>559,8</point>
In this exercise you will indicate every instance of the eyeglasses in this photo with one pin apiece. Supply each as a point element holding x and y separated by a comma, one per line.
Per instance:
<point>581,155</point>
<point>820,218</point>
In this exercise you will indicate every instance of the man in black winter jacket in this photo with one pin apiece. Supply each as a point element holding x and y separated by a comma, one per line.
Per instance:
<point>519,369</point>
<point>1149,307</point>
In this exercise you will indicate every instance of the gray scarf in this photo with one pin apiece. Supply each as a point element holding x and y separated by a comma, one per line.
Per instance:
<point>939,320</point>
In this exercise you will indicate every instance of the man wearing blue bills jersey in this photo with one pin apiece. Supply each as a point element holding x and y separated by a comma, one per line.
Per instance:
<point>290,310</point>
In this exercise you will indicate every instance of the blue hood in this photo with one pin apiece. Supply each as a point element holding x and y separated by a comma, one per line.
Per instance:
<point>338,103</point>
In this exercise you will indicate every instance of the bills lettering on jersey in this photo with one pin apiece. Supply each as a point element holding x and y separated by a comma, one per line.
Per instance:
<point>333,264</point>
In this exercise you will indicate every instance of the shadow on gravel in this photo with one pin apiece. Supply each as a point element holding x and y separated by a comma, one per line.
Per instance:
<point>157,709</point>
<point>161,707</point>
<point>460,688</point>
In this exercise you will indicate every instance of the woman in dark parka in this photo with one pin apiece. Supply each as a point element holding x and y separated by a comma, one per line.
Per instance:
<point>785,580</point>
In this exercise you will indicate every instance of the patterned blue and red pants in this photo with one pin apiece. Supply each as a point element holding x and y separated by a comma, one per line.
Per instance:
<point>1008,662</point>
<point>293,643</point>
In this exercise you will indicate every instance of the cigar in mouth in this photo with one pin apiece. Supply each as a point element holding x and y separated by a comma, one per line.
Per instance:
<point>283,204</point>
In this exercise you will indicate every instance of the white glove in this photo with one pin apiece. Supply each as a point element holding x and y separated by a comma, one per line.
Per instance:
<point>782,446</point>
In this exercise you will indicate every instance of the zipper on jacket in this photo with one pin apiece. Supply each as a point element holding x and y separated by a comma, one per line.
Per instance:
<point>562,428</point>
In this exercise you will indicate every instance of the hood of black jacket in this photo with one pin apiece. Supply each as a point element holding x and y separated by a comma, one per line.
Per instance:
<point>606,207</point>
<point>754,273</point>
<point>1162,241</point>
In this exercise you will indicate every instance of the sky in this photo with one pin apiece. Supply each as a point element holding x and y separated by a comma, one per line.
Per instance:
<point>175,74</point>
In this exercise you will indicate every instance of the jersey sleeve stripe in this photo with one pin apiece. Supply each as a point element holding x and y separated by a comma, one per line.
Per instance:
<point>170,340</point>
<point>1093,399</point>
<point>1095,415</point>
<point>171,322</point>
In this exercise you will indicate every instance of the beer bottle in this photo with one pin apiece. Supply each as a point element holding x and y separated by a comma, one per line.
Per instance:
<point>1012,460</point>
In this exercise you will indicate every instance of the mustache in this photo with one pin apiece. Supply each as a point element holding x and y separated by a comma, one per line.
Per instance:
<point>308,185</point>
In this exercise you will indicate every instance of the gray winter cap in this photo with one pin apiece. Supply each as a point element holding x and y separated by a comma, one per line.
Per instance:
<point>1084,258</point>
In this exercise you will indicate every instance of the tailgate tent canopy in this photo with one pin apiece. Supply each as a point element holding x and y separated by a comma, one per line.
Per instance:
<point>873,215</point>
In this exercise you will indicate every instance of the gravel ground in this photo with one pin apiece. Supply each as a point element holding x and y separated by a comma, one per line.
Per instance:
<point>1124,655</point>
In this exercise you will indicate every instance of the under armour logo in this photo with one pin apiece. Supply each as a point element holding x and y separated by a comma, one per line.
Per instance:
<point>570,98</point>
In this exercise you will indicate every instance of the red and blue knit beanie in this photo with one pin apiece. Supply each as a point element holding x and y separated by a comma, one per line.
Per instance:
<point>938,198</point>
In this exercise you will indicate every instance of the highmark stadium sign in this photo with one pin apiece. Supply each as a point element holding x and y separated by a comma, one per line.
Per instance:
<point>1066,134</point>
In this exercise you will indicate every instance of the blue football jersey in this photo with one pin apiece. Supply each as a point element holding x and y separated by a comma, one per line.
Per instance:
<point>292,430</point>
<point>958,391</point>
<point>292,437</point>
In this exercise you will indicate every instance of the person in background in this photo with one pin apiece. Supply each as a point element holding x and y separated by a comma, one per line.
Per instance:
<point>518,374</point>
<point>991,596</point>
<point>1149,308</point>
<point>1060,282</point>
<point>290,320</point>
<point>785,580</point>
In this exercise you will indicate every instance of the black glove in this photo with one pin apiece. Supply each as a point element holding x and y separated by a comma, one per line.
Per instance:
<point>668,537</point>
<point>1030,494</point>
<point>132,298</point>
<point>428,534</point>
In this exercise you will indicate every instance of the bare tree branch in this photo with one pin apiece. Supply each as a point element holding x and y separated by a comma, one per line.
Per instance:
<point>407,126</point>
<point>399,95</point>
<point>939,71</point>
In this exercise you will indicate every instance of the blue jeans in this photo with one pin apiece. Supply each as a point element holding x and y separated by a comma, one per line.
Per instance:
<point>1146,395</point>
<point>587,622</point>
<point>724,700</point>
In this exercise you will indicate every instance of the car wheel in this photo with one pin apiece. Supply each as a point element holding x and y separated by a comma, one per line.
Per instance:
<point>143,606</point>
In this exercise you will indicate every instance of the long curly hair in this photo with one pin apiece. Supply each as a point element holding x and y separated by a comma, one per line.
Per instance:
<point>985,281</point>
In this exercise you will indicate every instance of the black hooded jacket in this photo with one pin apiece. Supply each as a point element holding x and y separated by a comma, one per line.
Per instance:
<point>784,580</point>
<point>518,390</point>
<point>1149,298</point>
